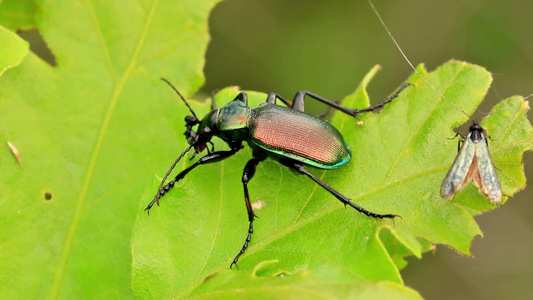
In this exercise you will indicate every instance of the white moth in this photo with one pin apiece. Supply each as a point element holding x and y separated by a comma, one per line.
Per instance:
<point>473,163</point>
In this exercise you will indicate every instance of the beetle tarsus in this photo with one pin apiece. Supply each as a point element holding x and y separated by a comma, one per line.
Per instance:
<point>155,200</point>
<point>379,105</point>
<point>367,212</point>
<point>245,246</point>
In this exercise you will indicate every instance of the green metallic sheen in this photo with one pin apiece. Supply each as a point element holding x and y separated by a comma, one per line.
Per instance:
<point>296,135</point>
<point>233,116</point>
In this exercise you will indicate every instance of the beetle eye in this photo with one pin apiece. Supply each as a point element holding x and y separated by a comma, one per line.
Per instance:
<point>191,120</point>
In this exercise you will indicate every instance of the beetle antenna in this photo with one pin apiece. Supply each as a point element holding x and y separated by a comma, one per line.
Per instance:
<point>410,64</point>
<point>181,96</point>
<point>158,195</point>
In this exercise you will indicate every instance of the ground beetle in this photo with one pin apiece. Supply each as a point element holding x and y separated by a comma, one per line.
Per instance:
<point>286,134</point>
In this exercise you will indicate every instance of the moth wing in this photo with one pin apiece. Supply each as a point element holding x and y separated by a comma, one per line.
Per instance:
<point>487,181</point>
<point>458,175</point>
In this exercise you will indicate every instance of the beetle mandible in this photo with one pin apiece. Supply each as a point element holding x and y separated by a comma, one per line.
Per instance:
<point>286,134</point>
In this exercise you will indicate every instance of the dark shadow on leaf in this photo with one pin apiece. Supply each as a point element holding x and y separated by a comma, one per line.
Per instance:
<point>38,45</point>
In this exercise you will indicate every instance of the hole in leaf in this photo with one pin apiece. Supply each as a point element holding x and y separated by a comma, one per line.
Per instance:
<point>38,45</point>
<point>47,196</point>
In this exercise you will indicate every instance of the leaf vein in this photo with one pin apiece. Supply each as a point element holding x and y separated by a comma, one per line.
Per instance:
<point>417,129</point>
<point>82,196</point>
<point>215,235</point>
<point>102,41</point>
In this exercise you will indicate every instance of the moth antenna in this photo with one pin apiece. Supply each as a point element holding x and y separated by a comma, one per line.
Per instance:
<point>499,110</point>
<point>410,64</point>
<point>496,91</point>
<point>181,96</point>
<point>528,96</point>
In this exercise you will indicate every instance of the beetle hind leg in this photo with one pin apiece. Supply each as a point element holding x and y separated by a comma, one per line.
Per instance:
<point>379,105</point>
<point>272,97</point>
<point>327,110</point>
<point>346,201</point>
<point>298,102</point>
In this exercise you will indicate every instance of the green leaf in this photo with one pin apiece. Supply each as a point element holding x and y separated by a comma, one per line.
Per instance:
<point>13,50</point>
<point>260,282</point>
<point>91,132</point>
<point>94,130</point>
<point>18,14</point>
<point>400,157</point>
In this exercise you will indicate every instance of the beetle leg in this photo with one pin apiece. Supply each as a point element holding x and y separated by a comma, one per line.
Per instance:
<point>327,110</point>
<point>388,100</point>
<point>249,171</point>
<point>242,96</point>
<point>298,102</point>
<point>212,147</point>
<point>209,158</point>
<point>338,195</point>
<point>272,97</point>
<point>213,94</point>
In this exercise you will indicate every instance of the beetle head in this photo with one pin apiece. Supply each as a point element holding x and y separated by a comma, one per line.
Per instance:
<point>190,134</point>
<point>202,136</point>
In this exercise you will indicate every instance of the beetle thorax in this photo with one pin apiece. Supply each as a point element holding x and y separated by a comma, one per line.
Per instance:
<point>234,115</point>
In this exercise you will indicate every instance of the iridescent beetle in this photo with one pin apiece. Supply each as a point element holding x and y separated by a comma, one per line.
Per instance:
<point>286,134</point>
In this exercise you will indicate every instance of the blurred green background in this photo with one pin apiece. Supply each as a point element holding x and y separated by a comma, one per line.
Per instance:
<point>327,46</point>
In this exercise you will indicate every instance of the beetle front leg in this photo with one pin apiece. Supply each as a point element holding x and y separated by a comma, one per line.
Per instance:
<point>249,171</point>
<point>339,196</point>
<point>209,158</point>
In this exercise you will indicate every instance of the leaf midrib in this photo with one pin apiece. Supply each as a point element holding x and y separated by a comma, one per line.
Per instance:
<point>82,197</point>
